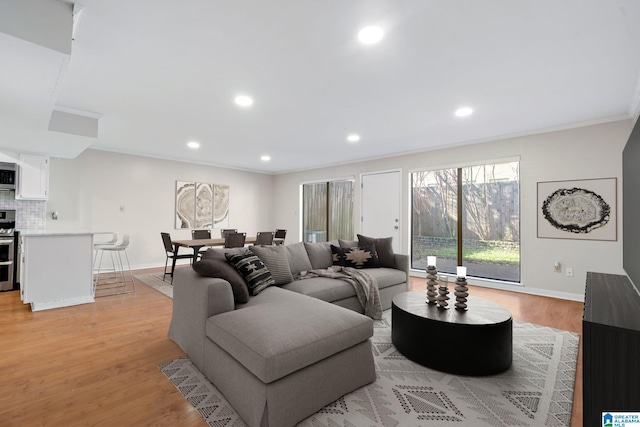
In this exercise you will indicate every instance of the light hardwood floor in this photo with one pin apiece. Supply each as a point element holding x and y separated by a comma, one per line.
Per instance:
<point>97,364</point>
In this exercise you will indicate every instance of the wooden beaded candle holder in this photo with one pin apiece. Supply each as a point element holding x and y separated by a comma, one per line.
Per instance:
<point>461,293</point>
<point>432,283</point>
<point>443,296</point>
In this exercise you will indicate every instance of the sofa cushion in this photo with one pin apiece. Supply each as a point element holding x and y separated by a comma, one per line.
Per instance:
<point>255,273</point>
<point>214,267</point>
<point>384,248</point>
<point>298,258</point>
<point>323,288</point>
<point>387,276</point>
<point>265,340</point>
<point>320,253</point>
<point>358,257</point>
<point>275,258</point>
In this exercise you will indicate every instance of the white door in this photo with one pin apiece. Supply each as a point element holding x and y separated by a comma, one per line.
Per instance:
<point>381,199</point>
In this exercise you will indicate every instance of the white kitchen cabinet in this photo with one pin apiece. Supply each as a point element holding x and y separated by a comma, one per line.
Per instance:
<point>57,269</point>
<point>33,177</point>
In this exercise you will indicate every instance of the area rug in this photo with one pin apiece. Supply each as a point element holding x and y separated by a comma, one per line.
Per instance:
<point>536,391</point>
<point>155,281</point>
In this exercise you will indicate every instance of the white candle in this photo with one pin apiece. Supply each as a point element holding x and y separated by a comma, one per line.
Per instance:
<point>461,271</point>
<point>431,260</point>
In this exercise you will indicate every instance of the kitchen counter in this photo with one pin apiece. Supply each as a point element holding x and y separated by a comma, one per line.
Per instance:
<point>57,267</point>
<point>57,232</point>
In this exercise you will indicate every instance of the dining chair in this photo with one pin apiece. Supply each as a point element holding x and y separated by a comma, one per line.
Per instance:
<point>225,231</point>
<point>264,238</point>
<point>278,237</point>
<point>199,235</point>
<point>171,253</point>
<point>234,240</point>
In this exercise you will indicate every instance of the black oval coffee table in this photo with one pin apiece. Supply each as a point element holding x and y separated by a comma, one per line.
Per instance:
<point>478,341</point>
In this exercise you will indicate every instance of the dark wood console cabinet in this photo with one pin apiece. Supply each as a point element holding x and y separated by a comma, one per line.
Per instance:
<point>610,347</point>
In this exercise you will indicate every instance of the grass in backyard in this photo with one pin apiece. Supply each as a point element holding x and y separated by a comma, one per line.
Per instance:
<point>480,255</point>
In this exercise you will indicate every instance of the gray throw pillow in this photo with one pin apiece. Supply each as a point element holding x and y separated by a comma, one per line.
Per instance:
<point>320,253</point>
<point>384,249</point>
<point>275,258</point>
<point>255,273</point>
<point>298,258</point>
<point>221,269</point>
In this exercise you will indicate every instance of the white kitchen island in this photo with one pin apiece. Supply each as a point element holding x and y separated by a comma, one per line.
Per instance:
<point>57,268</point>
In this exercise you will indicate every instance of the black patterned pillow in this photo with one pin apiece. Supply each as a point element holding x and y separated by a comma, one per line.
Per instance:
<point>361,257</point>
<point>255,273</point>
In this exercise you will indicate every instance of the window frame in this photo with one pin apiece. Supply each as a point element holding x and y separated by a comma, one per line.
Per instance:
<point>461,212</point>
<point>350,178</point>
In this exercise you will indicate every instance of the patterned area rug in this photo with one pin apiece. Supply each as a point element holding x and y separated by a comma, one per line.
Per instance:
<point>536,391</point>
<point>155,281</point>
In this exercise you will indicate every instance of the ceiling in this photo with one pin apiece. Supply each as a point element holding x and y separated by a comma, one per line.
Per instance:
<point>157,74</point>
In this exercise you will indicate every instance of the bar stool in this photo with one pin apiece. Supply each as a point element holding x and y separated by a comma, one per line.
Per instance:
<point>97,246</point>
<point>116,280</point>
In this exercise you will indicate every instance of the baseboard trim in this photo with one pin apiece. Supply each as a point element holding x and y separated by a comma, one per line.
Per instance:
<point>512,287</point>
<point>532,291</point>
<point>67,302</point>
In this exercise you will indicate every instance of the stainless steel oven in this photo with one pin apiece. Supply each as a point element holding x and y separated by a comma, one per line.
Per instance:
<point>7,249</point>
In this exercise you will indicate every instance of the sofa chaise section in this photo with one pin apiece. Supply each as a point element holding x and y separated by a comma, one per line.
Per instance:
<point>278,358</point>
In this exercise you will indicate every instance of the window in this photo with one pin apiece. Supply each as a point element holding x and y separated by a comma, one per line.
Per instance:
<point>327,211</point>
<point>468,216</point>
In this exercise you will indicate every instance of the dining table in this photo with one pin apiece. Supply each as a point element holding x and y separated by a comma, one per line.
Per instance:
<point>197,244</point>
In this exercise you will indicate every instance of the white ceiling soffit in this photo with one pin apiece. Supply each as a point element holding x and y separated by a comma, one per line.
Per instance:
<point>163,73</point>
<point>30,76</point>
<point>35,50</point>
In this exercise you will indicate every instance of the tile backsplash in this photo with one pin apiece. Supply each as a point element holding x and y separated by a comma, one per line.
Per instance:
<point>30,214</point>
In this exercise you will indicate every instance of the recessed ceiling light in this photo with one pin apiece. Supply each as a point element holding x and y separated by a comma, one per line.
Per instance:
<point>265,158</point>
<point>193,144</point>
<point>244,100</point>
<point>353,138</point>
<point>370,35</point>
<point>464,111</point>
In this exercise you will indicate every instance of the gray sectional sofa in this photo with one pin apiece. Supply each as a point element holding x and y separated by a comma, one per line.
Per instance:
<point>293,348</point>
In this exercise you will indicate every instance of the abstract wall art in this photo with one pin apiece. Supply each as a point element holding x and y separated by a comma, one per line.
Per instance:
<point>221,206</point>
<point>185,204</point>
<point>201,205</point>
<point>579,209</point>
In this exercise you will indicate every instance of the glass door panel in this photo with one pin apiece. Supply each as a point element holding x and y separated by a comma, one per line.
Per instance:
<point>491,218</point>
<point>435,219</point>
<point>314,212</point>
<point>340,202</point>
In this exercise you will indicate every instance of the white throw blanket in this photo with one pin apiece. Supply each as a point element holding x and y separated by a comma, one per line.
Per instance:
<point>366,287</point>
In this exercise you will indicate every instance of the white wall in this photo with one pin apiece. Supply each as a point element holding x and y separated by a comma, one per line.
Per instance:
<point>586,152</point>
<point>88,191</point>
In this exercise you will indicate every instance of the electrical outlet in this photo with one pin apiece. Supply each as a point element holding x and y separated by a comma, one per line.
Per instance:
<point>569,272</point>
